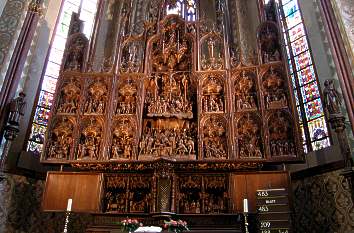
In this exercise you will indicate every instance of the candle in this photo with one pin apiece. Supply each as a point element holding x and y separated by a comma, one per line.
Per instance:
<point>245,205</point>
<point>70,202</point>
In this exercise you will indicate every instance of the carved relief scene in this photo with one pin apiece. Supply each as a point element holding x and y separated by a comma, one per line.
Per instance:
<point>281,134</point>
<point>249,136</point>
<point>168,138</point>
<point>169,95</point>
<point>61,141</point>
<point>214,142</point>
<point>91,137</point>
<point>245,87</point>
<point>213,96</point>
<point>202,194</point>
<point>70,96</point>
<point>96,97</point>
<point>128,194</point>
<point>123,139</point>
<point>274,88</point>
<point>126,102</point>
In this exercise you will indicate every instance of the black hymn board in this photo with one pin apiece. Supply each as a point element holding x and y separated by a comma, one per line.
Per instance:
<point>273,211</point>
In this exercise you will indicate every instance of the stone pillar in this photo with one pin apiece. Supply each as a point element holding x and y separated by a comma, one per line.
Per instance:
<point>247,21</point>
<point>344,10</point>
<point>11,21</point>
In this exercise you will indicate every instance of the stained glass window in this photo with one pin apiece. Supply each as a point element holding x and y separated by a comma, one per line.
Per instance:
<point>313,124</point>
<point>87,13</point>
<point>185,8</point>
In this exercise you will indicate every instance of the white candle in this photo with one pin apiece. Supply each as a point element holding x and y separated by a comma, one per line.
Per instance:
<point>70,202</point>
<point>245,205</point>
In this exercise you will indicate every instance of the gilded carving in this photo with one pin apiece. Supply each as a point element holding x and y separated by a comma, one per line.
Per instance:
<point>214,142</point>
<point>126,103</point>
<point>172,49</point>
<point>123,139</point>
<point>70,96</point>
<point>96,97</point>
<point>169,95</point>
<point>212,52</point>
<point>61,139</point>
<point>168,138</point>
<point>213,94</point>
<point>281,134</point>
<point>245,87</point>
<point>249,136</point>
<point>91,136</point>
<point>274,90</point>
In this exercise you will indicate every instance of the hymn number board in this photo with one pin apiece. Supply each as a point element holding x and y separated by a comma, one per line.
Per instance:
<point>273,211</point>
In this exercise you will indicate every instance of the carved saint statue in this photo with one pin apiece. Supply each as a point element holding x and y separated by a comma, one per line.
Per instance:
<point>332,99</point>
<point>17,107</point>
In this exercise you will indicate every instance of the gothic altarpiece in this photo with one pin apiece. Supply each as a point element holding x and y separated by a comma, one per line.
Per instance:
<point>165,103</point>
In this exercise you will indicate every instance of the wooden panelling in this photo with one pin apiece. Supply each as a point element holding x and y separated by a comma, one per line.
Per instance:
<point>245,186</point>
<point>83,188</point>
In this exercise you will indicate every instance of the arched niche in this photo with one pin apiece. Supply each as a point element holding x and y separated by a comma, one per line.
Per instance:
<point>213,93</point>
<point>281,134</point>
<point>90,146</point>
<point>132,55</point>
<point>96,96</point>
<point>60,141</point>
<point>172,49</point>
<point>212,52</point>
<point>246,90</point>
<point>70,95</point>
<point>214,138</point>
<point>126,96</point>
<point>274,88</point>
<point>123,136</point>
<point>249,136</point>
<point>268,39</point>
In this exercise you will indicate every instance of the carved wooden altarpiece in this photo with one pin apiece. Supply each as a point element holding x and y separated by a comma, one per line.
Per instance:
<point>172,116</point>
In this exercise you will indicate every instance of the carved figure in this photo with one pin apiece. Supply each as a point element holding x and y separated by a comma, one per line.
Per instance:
<point>274,92</point>
<point>17,107</point>
<point>269,43</point>
<point>332,100</point>
<point>214,139</point>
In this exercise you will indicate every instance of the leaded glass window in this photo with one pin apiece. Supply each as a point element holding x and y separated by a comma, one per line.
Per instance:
<point>304,79</point>
<point>185,8</point>
<point>86,10</point>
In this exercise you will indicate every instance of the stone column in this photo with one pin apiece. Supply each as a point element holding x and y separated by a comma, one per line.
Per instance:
<point>10,24</point>
<point>246,31</point>
<point>344,10</point>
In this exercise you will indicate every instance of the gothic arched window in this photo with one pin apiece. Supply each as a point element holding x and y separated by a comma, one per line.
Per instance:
<point>86,10</point>
<point>185,8</point>
<point>304,77</point>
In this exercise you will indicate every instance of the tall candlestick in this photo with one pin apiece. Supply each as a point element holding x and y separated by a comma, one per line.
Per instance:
<point>70,202</point>
<point>245,205</point>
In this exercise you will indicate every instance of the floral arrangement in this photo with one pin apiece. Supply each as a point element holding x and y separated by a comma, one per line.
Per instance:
<point>176,226</point>
<point>130,225</point>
